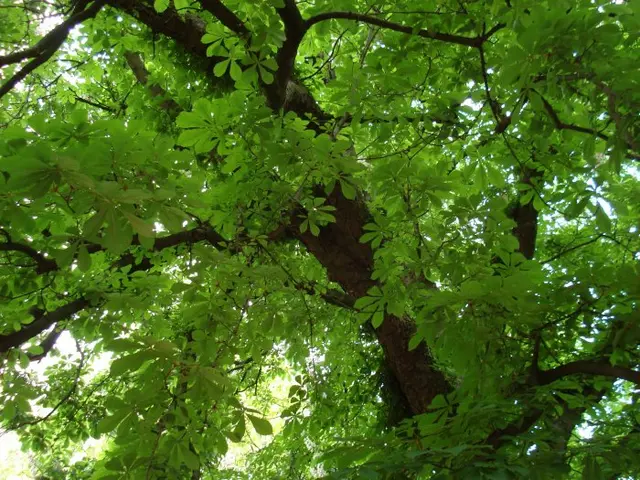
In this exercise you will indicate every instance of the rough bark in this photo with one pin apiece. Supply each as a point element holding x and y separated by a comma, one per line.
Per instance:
<point>526,218</point>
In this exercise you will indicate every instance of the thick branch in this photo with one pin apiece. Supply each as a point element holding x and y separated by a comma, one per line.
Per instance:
<point>526,218</point>
<point>339,299</point>
<point>332,296</point>
<point>186,30</point>
<point>226,16</point>
<point>589,367</point>
<point>43,264</point>
<point>284,93</point>
<point>45,48</point>
<point>41,324</point>
<point>200,233</point>
<point>294,30</point>
<point>46,345</point>
<point>350,263</point>
<point>296,27</point>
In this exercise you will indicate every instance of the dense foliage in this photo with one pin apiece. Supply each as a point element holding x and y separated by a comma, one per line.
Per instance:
<point>321,239</point>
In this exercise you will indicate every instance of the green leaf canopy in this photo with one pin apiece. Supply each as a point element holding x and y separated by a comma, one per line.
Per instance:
<point>321,239</point>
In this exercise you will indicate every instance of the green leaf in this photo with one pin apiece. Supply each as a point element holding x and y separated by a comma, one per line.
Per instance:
<point>66,256</point>
<point>238,432</point>
<point>189,138</point>
<point>377,318</point>
<point>347,189</point>
<point>117,238</point>
<point>139,226</point>
<point>213,376</point>
<point>92,226</point>
<point>172,218</point>
<point>603,222</point>
<point>84,259</point>
<point>110,423</point>
<point>221,68</point>
<point>577,207</point>
<point>35,350</point>
<point>364,302</point>
<point>592,470</point>
<point>181,4</point>
<point>266,76</point>
<point>129,363</point>
<point>414,342</point>
<point>160,5</point>
<point>190,459</point>
<point>261,425</point>
<point>235,71</point>
<point>269,63</point>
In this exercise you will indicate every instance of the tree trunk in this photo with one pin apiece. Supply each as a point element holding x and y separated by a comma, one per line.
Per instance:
<point>350,263</point>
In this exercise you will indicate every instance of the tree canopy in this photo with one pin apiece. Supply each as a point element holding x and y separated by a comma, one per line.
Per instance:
<point>321,239</point>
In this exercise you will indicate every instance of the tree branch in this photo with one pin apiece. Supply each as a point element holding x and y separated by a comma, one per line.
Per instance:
<point>571,249</point>
<point>632,143</point>
<point>500,437</point>
<point>43,264</point>
<point>502,120</point>
<point>560,125</point>
<point>589,367</point>
<point>186,30</point>
<point>294,30</point>
<point>134,60</point>
<point>226,16</point>
<point>332,296</point>
<point>526,218</point>
<point>101,106</point>
<point>46,345</point>
<point>563,425</point>
<point>474,42</point>
<point>46,47</point>
<point>339,299</point>
<point>64,399</point>
<point>53,39</point>
<point>41,324</point>
<point>348,262</point>
<point>45,321</point>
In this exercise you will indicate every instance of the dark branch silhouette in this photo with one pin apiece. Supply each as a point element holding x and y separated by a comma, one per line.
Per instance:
<point>589,367</point>
<point>474,42</point>
<point>43,264</point>
<point>226,16</point>
<point>45,48</point>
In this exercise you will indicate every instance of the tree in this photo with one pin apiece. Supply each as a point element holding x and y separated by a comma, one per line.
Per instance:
<point>389,239</point>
